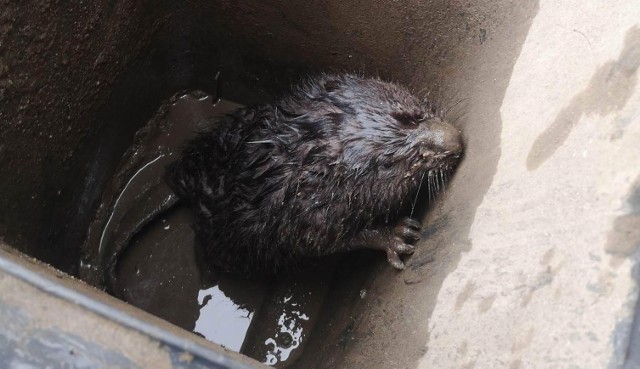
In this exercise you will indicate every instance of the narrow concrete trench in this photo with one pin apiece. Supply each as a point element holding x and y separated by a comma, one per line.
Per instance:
<point>529,260</point>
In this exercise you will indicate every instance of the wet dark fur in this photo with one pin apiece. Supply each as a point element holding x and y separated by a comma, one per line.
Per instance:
<point>302,177</point>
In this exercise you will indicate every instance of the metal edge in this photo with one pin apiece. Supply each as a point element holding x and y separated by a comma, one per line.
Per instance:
<point>51,286</point>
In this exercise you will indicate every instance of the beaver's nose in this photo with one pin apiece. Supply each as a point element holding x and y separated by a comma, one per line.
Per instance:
<point>441,137</point>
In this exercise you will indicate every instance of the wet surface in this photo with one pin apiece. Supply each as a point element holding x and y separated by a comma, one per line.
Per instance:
<point>270,320</point>
<point>267,319</point>
<point>144,251</point>
<point>294,305</point>
<point>608,90</point>
<point>138,192</point>
<point>623,240</point>
<point>161,273</point>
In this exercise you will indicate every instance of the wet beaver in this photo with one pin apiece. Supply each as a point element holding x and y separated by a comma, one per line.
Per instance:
<point>332,167</point>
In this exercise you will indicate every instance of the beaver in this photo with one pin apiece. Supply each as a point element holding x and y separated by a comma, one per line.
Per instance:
<point>333,166</point>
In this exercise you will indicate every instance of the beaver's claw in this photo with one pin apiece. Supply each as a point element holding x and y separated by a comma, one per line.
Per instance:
<point>406,232</point>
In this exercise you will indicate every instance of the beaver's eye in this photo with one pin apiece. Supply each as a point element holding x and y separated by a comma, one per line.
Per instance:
<point>406,120</point>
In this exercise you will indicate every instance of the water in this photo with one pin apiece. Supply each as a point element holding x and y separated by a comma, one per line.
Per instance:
<point>289,314</point>
<point>229,332</point>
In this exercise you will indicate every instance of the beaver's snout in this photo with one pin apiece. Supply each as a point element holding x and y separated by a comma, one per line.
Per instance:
<point>441,138</point>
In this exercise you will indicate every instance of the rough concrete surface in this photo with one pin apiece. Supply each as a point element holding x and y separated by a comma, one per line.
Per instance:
<point>77,80</point>
<point>550,278</point>
<point>58,66</point>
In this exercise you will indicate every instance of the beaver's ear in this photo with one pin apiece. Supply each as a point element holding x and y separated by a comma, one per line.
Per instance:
<point>331,82</point>
<point>331,85</point>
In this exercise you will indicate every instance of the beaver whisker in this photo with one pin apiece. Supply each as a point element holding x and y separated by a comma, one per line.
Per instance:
<point>415,199</point>
<point>431,186</point>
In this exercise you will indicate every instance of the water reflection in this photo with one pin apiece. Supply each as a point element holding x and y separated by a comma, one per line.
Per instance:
<point>229,332</point>
<point>290,335</point>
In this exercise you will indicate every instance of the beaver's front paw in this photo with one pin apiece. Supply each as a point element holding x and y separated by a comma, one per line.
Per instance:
<point>405,233</point>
